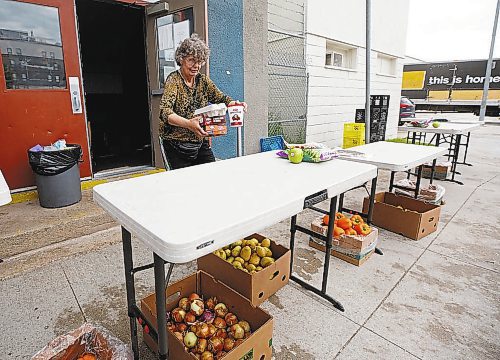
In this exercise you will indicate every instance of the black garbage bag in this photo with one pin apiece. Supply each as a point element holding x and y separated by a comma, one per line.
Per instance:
<point>50,163</point>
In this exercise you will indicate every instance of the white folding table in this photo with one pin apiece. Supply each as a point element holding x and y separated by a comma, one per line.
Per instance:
<point>396,157</point>
<point>454,131</point>
<point>184,214</point>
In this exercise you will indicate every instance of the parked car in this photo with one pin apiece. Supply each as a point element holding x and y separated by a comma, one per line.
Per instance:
<point>406,109</point>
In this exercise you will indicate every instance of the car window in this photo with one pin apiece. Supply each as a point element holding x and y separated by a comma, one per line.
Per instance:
<point>406,101</point>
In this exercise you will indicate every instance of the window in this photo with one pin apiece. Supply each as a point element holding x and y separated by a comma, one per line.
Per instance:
<point>14,76</point>
<point>57,78</point>
<point>56,67</point>
<point>171,30</point>
<point>386,65</point>
<point>12,62</point>
<point>340,55</point>
<point>28,29</point>
<point>49,78</point>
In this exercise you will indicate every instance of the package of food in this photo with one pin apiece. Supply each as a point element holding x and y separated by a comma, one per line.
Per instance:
<point>312,155</point>
<point>88,342</point>
<point>311,145</point>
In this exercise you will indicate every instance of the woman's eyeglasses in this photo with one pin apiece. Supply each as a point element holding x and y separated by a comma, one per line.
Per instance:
<point>193,61</point>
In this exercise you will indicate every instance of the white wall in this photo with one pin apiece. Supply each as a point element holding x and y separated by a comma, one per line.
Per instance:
<point>335,94</point>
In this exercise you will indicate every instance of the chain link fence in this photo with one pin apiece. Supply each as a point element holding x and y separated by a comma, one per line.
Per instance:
<point>287,85</point>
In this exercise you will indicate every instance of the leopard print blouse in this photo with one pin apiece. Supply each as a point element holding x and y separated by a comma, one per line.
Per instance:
<point>181,99</point>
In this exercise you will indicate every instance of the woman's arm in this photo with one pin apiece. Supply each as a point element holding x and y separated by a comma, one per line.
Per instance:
<point>192,124</point>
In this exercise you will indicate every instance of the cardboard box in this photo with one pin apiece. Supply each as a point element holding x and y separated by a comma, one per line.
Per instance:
<point>256,287</point>
<point>355,259</point>
<point>354,249</point>
<point>404,215</point>
<point>440,173</point>
<point>257,346</point>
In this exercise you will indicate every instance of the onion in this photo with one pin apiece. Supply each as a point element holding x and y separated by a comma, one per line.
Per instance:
<point>197,307</point>
<point>237,332</point>
<point>190,318</point>
<point>193,296</point>
<point>207,355</point>
<point>220,355</point>
<point>231,319</point>
<point>171,326</point>
<point>211,302</point>
<point>207,317</point>
<point>228,344</point>
<point>181,327</point>
<point>190,339</point>
<point>211,330</point>
<point>184,304</point>
<point>201,346</point>
<point>219,323</point>
<point>179,336</point>
<point>221,310</point>
<point>238,342</point>
<point>215,344</point>
<point>245,325</point>
<point>202,331</point>
<point>222,333</point>
<point>178,315</point>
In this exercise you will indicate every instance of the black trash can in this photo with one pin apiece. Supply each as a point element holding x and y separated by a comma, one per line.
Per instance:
<point>57,175</point>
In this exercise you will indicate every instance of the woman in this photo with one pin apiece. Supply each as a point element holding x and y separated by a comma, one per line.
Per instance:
<point>184,140</point>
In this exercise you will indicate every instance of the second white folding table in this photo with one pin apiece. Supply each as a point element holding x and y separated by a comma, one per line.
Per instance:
<point>454,131</point>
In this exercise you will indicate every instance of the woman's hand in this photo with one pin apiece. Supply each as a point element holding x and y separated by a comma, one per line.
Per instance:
<point>194,125</point>
<point>237,102</point>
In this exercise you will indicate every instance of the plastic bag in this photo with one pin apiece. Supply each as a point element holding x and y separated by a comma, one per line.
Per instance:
<point>432,193</point>
<point>49,163</point>
<point>311,145</point>
<point>89,339</point>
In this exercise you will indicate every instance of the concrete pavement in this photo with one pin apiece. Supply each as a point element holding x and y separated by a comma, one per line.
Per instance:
<point>437,298</point>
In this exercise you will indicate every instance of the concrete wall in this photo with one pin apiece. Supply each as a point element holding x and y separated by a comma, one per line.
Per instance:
<point>255,73</point>
<point>335,94</point>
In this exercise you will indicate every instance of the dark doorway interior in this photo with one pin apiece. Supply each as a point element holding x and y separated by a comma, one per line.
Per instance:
<point>115,82</point>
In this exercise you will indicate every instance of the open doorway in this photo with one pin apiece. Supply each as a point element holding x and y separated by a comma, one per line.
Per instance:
<point>113,56</point>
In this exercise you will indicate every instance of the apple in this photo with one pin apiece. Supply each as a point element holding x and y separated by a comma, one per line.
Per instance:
<point>436,124</point>
<point>295,155</point>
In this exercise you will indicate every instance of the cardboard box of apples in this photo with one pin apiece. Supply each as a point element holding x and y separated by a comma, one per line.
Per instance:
<point>353,240</point>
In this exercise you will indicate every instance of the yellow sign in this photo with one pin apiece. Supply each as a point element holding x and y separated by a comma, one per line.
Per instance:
<point>413,80</point>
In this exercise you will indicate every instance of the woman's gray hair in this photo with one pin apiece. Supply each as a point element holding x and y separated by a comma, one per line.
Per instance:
<point>192,46</point>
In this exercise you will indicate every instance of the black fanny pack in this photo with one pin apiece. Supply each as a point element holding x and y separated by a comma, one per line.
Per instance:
<point>188,149</point>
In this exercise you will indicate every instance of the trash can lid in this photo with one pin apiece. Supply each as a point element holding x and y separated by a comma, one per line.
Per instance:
<point>5,197</point>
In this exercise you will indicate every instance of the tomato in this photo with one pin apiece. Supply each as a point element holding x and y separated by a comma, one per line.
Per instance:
<point>326,219</point>
<point>344,223</point>
<point>362,229</point>
<point>338,231</point>
<point>356,219</point>
<point>339,215</point>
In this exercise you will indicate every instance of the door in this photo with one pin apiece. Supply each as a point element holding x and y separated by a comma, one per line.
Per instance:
<point>40,64</point>
<point>164,30</point>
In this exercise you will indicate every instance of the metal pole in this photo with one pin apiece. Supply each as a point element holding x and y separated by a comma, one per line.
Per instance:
<point>367,91</point>
<point>239,143</point>
<point>482,113</point>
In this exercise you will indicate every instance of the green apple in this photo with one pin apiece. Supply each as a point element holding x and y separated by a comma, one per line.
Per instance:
<point>436,124</point>
<point>295,155</point>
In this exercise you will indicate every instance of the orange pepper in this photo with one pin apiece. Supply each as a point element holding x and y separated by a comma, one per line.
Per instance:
<point>338,231</point>
<point>357,219</point>
<point>362,229</point>
<point>350,231</point>
<point>344,223</point>
<point>326,219</point>
<point>339,215</point>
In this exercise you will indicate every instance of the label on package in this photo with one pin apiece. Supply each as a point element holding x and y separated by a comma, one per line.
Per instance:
<point>235,115</point>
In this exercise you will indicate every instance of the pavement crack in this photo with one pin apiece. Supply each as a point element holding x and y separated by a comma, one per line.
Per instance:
<point>74,295</point>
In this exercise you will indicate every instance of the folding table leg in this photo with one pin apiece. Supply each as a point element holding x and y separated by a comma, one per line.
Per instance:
<point>293,230</point>
<point>160,287</point>
<point>341,202</point>
<point>130,286</point>
<point>329,239</point>
<point>371,204</point>
<point>391,183</point>
<point>456,153</point>
<point>419,178</point>
<point>433,170</point>
<point>466,149</point>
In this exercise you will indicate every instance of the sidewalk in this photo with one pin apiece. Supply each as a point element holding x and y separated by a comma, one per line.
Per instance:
<point>437,298</point>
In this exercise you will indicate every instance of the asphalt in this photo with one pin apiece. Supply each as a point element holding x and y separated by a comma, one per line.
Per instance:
<point>436,298</point>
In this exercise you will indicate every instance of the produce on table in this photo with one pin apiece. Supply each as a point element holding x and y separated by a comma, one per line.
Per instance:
<point>355,225</point>
<point>212,334</point>
<point>248,255</point>
<point>295,155</point>
<point>436,124</point>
